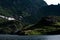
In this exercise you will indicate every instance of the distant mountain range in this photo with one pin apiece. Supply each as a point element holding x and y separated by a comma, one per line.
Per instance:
<point>52,10</point>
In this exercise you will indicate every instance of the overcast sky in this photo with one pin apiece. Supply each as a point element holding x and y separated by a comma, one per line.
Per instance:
<point>55,2</point>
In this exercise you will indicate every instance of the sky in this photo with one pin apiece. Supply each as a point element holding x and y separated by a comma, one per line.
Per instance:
<point>54,2</point>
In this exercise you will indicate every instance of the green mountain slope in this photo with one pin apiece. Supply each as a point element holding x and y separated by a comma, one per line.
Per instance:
<point>26,8</point>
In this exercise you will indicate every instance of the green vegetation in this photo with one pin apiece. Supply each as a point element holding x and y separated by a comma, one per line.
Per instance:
<point>29,15</point>
<point>45,26</point>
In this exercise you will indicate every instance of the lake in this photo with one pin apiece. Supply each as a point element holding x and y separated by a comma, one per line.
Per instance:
<point>33,37</point>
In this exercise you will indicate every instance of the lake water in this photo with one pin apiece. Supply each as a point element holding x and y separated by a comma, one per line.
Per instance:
<point>34,37</point>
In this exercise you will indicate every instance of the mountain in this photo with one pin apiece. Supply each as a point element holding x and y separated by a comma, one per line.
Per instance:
<point>26,8</point>
<point>52,10</point>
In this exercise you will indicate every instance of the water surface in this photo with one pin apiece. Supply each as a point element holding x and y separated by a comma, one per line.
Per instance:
<point>34,37</point>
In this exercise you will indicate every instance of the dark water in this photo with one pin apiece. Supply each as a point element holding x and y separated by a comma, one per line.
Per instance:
<point>38,37</point>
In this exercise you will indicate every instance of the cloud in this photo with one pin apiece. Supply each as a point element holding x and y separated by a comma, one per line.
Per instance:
<point>54,2</point>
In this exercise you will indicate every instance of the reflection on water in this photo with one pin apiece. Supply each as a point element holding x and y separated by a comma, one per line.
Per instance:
<point>16,37</point>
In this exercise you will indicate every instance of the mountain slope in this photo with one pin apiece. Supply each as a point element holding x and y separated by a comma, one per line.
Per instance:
<point>28,8</point>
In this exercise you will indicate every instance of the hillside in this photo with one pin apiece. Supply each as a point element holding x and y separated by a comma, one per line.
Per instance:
<point>32,17</point>
<point>26,8</point>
